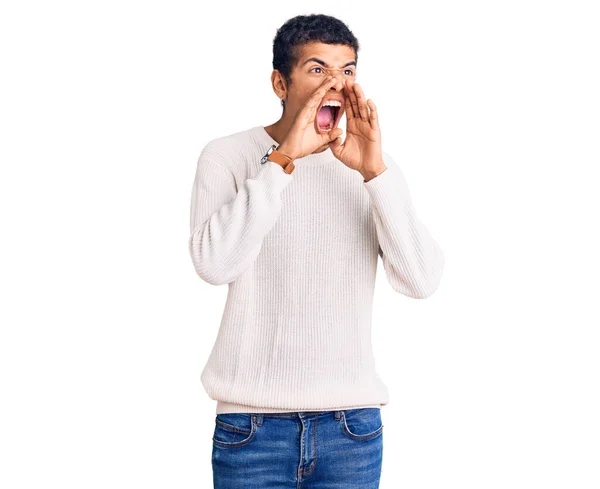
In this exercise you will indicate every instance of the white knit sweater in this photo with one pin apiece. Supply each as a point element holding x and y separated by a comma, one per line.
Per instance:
<point>299,254</point>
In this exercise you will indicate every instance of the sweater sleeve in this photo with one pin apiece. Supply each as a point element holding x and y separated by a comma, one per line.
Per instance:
<point>228,224</point>
<point>412,259</point>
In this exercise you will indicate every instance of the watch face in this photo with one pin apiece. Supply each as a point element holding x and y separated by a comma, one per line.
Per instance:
<point>269,151</point>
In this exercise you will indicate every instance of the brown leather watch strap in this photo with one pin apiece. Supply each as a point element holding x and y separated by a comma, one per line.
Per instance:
<point>285,161</point>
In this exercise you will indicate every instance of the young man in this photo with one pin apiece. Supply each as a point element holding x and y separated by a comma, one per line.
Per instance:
<point>294,220</point>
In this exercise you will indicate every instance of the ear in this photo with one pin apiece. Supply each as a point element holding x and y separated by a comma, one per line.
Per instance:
<point>278,83</point>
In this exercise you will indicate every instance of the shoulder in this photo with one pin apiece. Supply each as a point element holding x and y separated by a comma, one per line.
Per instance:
<point>230,148</point>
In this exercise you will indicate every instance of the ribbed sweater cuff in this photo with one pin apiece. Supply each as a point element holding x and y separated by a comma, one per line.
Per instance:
<point>273,177</point>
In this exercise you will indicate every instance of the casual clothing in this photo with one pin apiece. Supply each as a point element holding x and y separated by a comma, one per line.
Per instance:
<point>299,253</point>
<point>333,449</point>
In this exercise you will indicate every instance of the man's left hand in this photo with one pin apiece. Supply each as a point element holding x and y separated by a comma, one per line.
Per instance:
<point>361,149</point>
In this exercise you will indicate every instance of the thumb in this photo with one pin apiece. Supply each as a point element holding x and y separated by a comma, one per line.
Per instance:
<point>334,137</point>
<point>336,143</point>
<point>336,147</point>
<point>335,134</point>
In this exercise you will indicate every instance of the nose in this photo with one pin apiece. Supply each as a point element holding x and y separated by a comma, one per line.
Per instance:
<point>339,84</point>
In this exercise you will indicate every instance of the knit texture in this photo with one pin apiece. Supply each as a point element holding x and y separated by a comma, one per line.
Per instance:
<point>299,253</point>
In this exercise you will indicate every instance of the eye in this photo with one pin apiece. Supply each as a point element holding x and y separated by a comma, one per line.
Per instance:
<point>348,70</point>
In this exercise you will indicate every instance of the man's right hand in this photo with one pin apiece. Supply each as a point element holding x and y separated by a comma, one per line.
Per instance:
<point>302,138</point>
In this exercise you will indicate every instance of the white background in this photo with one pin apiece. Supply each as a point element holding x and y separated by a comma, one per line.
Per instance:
<point>490,108</point>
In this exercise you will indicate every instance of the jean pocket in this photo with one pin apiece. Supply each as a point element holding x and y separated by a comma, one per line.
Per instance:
<point>234,430</point>
<point>362,423</point>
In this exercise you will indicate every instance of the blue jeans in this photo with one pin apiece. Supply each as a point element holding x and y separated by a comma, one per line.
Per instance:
<point>298,450</point>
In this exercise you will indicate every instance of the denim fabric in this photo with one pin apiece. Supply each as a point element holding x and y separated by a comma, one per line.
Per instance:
<point>299,450</point>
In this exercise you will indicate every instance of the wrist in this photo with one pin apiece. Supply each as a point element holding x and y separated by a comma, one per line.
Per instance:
<point>284,150</point>
<point>373,172</point>
<point>280,158</point>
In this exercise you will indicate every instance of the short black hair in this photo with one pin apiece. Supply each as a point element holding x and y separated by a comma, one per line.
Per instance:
<point>304,29</point>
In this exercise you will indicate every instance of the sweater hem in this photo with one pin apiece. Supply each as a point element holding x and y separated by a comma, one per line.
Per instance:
<point>231,407</point>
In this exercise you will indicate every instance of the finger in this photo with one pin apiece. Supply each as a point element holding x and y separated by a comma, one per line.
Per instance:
<point>333,135</point>
<point>327,137</point>
<point>352,97</point>
<point>349,109</point>
<point>336,144</point>
<point>362,103</point>
<point>373,115</point>
<point>336,147</point>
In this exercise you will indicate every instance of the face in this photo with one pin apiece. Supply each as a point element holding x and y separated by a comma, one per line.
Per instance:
<point>315,62</point>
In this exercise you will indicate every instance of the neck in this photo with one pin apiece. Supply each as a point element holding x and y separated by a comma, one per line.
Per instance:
<point>278,130</point>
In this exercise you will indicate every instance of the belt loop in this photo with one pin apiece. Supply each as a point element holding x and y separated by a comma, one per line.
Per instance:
<point>259,419</point>
<point>337,415</point>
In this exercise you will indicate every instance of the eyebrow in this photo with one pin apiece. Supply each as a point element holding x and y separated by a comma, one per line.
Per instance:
<point>325,64</point>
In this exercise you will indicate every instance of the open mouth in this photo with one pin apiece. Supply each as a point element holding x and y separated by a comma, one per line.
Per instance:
<point>328,117</point>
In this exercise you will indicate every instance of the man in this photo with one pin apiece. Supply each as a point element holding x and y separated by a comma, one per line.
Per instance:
<point>294,220</point>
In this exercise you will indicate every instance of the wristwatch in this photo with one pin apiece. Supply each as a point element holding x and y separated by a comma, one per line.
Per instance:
<point>275,156</point>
